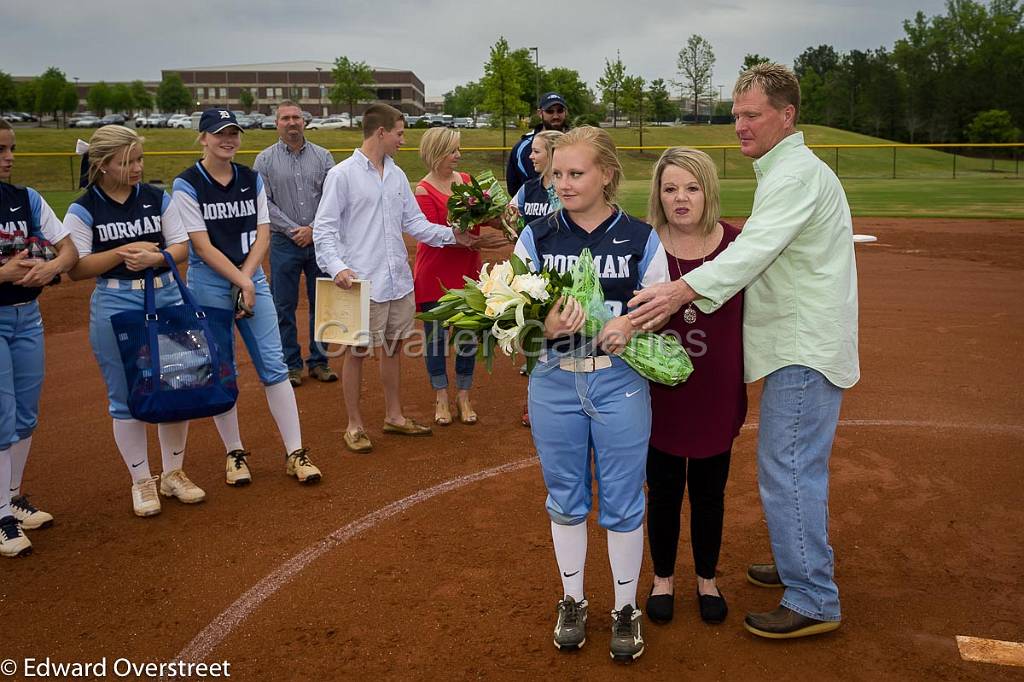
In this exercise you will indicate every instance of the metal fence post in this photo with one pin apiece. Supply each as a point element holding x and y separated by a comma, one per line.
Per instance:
<point>954,163</point>
<point>837,162</point>
<point>725,164</point>
<point>71,162</point>
<point>894,163</point>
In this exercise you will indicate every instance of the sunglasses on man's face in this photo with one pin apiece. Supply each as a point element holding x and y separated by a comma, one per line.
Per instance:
<point>555,110</point>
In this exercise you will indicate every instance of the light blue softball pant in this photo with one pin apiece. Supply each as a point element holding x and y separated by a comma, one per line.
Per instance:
<point>607,411</point>
<point>260,332</point>
<point>21,371</point>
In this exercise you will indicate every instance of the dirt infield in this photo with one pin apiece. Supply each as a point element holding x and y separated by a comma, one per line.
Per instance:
<point>459,581</point>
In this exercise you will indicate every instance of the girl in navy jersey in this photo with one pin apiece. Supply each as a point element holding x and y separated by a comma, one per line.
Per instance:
<point>224,209</point>
<point>537,196</point>
<point>119,226</point>
<point>24,215</point>
<point>585,399</point>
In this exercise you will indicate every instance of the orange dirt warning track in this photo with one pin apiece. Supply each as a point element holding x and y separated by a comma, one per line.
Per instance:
<point>431,558</point>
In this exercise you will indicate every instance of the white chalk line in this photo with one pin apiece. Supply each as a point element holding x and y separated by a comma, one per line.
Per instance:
<point>223,625</point>
<point>214,633</point>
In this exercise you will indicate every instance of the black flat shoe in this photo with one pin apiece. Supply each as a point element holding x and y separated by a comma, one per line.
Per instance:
<point>713,609</point>
<point>660,607</point>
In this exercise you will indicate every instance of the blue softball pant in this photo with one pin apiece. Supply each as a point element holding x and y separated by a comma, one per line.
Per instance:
<point>112,296</point>
<point>21,371</point>
<point>260,332</point>
<point>607,412</point>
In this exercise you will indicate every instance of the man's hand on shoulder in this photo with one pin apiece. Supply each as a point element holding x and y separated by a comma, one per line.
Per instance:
<point>344,278</point>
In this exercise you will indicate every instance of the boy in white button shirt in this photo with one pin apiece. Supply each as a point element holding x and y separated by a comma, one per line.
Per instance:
<point>366,206</point>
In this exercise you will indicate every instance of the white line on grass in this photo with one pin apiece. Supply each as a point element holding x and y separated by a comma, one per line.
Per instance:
<point>223,625</point>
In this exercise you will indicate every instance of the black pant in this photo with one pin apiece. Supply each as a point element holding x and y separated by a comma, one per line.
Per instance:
<point>667,476</point>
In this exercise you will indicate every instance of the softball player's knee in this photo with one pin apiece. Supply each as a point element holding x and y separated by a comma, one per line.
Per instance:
<point>568,511</point>
<point>623,518</point>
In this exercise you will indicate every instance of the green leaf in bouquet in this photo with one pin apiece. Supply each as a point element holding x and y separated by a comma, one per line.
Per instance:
<point>518,266</point>
<point>476,300</point>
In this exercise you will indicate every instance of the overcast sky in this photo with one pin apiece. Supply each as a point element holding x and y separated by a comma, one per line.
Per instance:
<point>445,43</point>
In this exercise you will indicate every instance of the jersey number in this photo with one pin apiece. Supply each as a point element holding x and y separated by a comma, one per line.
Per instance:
<point>248,239</point>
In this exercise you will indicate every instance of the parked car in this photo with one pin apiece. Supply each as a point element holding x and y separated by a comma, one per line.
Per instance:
<point>179,121</point>
<point>329,123</point>
<point>464,122</point>
<point>87,122</point>
<point>140,121</point>
<point>269,123</point>
<point>306,116</point>
<point>246,122</point>
<point>111,119</point>
<point>156,120</point>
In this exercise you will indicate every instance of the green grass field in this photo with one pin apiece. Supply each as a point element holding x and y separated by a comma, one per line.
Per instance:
<point>985,187</point>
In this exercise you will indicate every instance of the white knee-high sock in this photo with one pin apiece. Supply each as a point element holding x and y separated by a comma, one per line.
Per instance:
<point>19,456</point>
<point>172,444</point>
<point>625,554</point>
<point>5,478</point>
<point>281,399</point>
<point>227,427</point>
<point>571,554</point>
<point>130,436</point>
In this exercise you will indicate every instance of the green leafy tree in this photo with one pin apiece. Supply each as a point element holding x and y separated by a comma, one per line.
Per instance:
<point>49,92</point>
<point>98,98</point>
<point>567,82</point>
<point>246,99</point>
<point>752,60</point>
<point>352,81</point>
<point>172,95</point>
<point>659,104</point>
<point>502,85</point>
<point>821,59</point>
<point>8,92</point>
<point>534,77</point>
<point>69,100</point>
<point>633,98</point>
<point>994,125</point>
<point>120,98</point>
<point>464,100</point>
<point>141,99</point>
<point>694,65</point>
<point>27,95</point>
<point>610,85</point>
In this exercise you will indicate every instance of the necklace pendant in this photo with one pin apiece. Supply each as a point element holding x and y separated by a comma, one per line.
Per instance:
<point>689,315</point>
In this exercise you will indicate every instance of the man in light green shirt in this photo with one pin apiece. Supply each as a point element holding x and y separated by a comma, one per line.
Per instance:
<point>795,260</point>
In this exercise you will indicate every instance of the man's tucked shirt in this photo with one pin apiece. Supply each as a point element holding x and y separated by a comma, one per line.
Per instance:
<point>294,182</point>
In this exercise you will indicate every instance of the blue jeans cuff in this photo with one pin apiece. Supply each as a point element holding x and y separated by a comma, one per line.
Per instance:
<point>463,382</point>
<point>439,382</point>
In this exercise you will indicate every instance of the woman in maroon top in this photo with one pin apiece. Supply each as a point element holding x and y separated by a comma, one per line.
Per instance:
<point>437,268</point>
<point>693,424</point>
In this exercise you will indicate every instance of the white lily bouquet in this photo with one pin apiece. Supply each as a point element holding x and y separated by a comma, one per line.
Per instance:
<point>507,304</point>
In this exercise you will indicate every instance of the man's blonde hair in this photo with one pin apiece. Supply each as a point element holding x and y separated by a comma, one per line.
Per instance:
<point>778,83</point>
<point>698,164</point>
<point>437,143</point>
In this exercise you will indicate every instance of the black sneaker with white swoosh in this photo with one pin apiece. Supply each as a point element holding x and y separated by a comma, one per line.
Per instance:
<point>627,635</point>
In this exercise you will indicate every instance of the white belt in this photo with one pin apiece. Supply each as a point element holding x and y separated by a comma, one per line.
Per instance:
<point>587,364</point>
<point>135,284</point>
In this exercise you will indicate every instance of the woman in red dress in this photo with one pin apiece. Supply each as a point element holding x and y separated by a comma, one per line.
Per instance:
<point>693,424</point>
<point>437,268</point>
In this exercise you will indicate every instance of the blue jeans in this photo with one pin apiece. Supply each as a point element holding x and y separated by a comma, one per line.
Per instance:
<point>21,371</point>
<point>799,415</point>
<point>288,261</point>
<point>435,350</point>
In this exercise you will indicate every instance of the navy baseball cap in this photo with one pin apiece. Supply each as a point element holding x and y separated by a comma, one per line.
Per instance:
<point>216,120</point>
<point>551,99</point>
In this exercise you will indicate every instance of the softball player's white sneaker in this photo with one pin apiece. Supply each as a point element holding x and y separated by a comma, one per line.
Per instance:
<point>571,628</point>
<point>176,484</point>
<point>238,468</point>
<point>298,465</point>
<point>145,501</point>
<point>28,515</point>
<point>13,542</point>
<point>627,636</point>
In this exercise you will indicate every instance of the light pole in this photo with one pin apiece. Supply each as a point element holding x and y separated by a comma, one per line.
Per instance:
<point>536,62</point>
<point>320,91</point>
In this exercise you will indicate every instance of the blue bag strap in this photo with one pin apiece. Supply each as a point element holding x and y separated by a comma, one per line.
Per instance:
<point>150,295</point>
<point>186,295</point>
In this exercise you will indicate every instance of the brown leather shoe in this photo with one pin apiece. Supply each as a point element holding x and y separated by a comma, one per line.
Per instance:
<point>784,623</point>
<point>407,428</point>
<point>323,373</point>
<point>358,441</point>
<point>764,575</point>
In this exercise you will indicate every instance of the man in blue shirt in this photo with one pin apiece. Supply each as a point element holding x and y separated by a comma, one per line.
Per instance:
<point>554,115</point>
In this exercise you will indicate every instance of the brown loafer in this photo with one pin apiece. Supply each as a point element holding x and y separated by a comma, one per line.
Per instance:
<point>764,575</point>
<point>358,441</point>
<point>784,623</point>
<point>323,373</point>
<point>407,428</point>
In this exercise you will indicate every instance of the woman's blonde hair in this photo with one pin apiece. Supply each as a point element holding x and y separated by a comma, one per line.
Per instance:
<point>106,143</point>
<point>698,164</point>
<point>437,143</point>
<point>604,154</point>
<point>547,139</point>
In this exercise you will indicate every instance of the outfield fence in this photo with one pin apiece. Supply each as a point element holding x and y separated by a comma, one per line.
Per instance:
<point>60,170</point>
